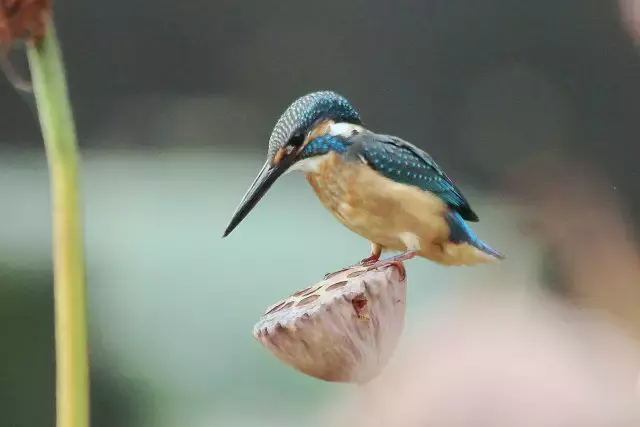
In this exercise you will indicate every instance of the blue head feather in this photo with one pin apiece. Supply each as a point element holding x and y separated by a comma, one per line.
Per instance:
<point>323,145</point>
<point>307,111</point>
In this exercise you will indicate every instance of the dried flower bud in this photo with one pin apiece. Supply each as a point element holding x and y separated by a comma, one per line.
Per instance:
<point>20,20</point>
<point>343,329</point>
<point>23,19</point>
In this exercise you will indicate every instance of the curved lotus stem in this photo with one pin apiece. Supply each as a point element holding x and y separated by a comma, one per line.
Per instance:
<point>58,130</point>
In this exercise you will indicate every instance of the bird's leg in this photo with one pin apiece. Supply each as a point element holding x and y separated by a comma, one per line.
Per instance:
<point>400,257</point>
<point>376,251</point>
<point>396,261</point>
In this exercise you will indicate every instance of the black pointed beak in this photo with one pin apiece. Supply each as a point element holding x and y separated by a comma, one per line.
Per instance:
<point>265,179</point>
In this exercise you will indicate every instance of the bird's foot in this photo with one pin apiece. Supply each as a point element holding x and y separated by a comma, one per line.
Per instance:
<point>396,261</point>
<point>401,257</point>
<point>397,264</point>
<point>370,260</point>
<point>374,261</point>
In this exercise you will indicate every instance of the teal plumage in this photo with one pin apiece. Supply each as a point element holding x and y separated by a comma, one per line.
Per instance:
<point>405,163</point>
<point>379,186</point>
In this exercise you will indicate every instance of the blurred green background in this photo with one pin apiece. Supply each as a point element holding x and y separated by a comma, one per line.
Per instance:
<point>172,304</point>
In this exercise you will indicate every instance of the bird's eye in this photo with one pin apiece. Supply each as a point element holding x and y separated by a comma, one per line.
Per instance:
<point>296,140</point>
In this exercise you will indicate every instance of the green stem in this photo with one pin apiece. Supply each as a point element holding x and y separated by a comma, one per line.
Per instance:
<point>58,130</point>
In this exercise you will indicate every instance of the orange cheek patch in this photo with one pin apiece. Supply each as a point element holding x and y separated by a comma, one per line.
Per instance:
<point>320,130</point>
<point>279,155</point>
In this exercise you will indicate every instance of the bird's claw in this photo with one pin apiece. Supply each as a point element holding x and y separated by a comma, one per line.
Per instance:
<point>374,262</point>
<point>396,261</point>
<point>397,264</point>
<point>401,257</point>
<point>364,263</point>
<point>370,260</point>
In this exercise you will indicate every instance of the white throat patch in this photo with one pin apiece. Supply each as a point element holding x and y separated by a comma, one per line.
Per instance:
<point>311,164</point>
<point>344,130</point>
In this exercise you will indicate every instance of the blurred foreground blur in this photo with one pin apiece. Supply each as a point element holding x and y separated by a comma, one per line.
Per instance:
<point>505,360</point>
<point>547,358</point>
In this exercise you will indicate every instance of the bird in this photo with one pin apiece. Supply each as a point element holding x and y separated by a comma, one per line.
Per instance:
<point>379,186</point>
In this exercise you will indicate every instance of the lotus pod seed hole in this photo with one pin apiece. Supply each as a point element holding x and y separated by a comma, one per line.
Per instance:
<point>303,292</point>
<point>357,273</point>
<point>308,300</point>
<point>337,285</point>
<point>360,305</point>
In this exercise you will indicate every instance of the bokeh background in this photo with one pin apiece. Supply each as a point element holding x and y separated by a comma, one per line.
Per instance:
<point>533,108</point>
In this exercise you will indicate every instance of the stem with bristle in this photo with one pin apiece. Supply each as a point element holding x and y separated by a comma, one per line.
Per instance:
<point>58,130</point>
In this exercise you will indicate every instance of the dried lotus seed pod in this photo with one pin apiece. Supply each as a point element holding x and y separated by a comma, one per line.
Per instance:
<point>342,329</point>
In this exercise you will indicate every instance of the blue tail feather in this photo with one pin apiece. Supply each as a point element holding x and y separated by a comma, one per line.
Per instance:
<point>459,232</point>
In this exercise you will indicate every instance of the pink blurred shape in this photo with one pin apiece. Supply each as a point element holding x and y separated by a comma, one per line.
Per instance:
<point>503,361</point>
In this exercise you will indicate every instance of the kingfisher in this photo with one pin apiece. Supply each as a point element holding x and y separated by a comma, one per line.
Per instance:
<point>379,186</point>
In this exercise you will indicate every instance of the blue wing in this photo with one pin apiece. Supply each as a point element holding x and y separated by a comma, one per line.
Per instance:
<point>405,163</point>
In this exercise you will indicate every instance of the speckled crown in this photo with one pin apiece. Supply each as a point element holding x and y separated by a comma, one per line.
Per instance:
<point>305,111</point>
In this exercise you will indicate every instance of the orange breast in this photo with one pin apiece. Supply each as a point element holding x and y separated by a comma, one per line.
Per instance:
<point>378,208</point>
<point>390,214</point>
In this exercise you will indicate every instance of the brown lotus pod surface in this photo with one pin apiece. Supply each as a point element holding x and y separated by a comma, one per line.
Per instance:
<point>342,329</point>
